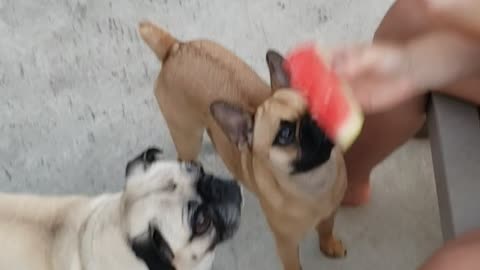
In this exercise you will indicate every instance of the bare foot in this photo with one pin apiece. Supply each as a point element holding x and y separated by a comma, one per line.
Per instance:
<point>357,194</point>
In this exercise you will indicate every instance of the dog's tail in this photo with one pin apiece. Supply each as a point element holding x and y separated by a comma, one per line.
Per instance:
<point>159,40</point>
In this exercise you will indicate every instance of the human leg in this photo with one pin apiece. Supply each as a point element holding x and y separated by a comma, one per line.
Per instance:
<point>384,132</point>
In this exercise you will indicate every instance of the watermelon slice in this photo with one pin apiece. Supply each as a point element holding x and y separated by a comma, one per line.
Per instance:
<point>330,100</point>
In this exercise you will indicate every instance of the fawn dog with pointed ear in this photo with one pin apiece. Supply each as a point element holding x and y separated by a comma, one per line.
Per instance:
<point>264,135</point>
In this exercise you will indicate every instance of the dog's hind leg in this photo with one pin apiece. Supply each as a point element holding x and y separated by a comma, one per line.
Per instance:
<point>188,142</point>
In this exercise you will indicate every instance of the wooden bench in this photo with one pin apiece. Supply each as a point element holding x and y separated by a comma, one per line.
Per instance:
<point>454,131</point>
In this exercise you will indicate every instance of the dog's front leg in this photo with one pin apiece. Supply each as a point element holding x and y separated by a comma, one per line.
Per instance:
<point>329,244</point>
<point>288,251</point>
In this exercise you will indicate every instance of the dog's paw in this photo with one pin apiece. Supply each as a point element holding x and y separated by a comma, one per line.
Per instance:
<point>333,248</point>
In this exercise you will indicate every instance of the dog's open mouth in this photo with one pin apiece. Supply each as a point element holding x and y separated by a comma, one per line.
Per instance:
<point>153,249</point>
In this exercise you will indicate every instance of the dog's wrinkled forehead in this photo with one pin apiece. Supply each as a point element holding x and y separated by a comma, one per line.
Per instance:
<point>149,174</point>
<point>158,176</point>
<point>285,104</point>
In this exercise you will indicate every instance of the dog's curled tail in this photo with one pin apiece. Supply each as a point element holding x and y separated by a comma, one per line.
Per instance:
<point>159,40</point>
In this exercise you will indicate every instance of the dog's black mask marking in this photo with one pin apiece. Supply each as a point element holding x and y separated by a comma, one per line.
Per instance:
<point>315,146</point>
<point>222,199</point>
<point>153,250</point>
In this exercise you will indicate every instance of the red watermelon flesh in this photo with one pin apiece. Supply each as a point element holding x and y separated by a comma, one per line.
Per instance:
<point>330,101</point>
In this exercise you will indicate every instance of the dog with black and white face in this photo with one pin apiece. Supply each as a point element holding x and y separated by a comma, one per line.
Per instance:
<point>170,215</point>
<point>193,212</point>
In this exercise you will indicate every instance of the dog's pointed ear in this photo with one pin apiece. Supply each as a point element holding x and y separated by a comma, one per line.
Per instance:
<point>279,78</point>
<point>234,121</point>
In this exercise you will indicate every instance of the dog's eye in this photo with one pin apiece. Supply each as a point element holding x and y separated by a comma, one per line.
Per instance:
<point>286,133</point>
<point>151,155</point>
<point>201,223</point>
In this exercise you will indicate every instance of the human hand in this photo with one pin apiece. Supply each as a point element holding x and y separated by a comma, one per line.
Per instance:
<point>380,74</point>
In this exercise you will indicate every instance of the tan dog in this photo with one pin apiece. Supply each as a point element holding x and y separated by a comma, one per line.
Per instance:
<point>264,135</point>
<point>170,216</point>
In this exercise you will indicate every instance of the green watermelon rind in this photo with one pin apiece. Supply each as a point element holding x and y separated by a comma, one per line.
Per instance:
<point>349,131</point>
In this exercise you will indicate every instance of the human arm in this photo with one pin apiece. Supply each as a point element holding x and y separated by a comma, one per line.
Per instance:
<point>383,75</point>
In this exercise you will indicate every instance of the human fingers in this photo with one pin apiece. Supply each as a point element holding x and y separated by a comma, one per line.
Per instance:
<point>351,62</point>
<point>380,60</point>
<point>376,97</point>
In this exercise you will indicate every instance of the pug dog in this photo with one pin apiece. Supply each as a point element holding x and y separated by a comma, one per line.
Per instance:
<point>264,135</point>
<point>171,215</point>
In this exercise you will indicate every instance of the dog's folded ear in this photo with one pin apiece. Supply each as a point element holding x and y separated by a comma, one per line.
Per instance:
<point>235,122</point>
<point>278,76</point>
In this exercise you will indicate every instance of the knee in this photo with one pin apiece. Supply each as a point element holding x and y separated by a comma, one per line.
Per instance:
<point>382,134</point>
<point>404,19</point>
<point>466,90</point>
<point>436,8</point>
<point>459,254</point>
<point>458,258</point>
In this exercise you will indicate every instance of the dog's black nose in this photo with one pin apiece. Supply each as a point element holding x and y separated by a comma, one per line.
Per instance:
<point>194,168</point>
<point>151,155</point>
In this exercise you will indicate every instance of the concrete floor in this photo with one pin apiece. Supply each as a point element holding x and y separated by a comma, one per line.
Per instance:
<point>76,103</point>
